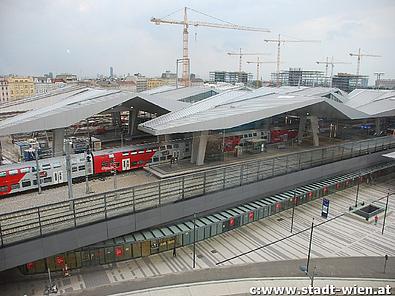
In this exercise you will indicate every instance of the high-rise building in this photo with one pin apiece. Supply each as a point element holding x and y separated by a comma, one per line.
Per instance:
<point>20,87</point>
<point>111,72</point>
<point>300,77</point>
<point>4,91</point>
<point>349,82</point>
<point>230,77</point>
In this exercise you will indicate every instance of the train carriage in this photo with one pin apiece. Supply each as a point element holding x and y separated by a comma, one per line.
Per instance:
<point>122,159</point>
<point>23,176</point>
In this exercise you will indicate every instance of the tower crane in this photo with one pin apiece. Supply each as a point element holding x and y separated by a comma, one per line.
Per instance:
<point>186,23</point>
<point>360,55</point>
<point>332,63</point>
<point>258,63</point>
<point>241,54</point>
<point>279,41</point>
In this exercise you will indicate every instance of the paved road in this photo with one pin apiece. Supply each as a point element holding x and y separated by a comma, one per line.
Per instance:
<point>343,237</point>
<point>363,268</point>
<point>242,287</point>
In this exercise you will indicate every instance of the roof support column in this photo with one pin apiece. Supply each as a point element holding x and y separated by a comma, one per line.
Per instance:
<point>201,153</point>
<point>302,128</point>
<point>132,128</point>
<point>315,130</point>
<point>378,126</point>
<point>195,146</point>
<point>58,141</point>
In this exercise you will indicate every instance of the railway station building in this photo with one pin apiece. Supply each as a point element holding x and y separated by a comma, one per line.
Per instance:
<point>324,127</point>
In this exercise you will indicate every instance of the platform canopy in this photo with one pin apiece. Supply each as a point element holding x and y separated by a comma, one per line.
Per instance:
<point>69,107</point>
<point>375,102</point>
<point>234,108</point>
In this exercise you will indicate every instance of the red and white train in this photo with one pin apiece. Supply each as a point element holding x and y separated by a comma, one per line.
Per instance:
<point>21,177</point>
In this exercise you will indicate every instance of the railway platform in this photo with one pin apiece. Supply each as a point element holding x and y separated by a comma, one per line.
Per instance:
<point>167,170</point>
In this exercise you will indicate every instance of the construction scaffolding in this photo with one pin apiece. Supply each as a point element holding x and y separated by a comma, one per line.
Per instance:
<point>300,77</point>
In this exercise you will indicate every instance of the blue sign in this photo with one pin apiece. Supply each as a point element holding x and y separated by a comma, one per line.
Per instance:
<point>325,208</point>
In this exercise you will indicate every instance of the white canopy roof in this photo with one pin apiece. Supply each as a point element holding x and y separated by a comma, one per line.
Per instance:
<point>234,108</point>
<point>66,108</point>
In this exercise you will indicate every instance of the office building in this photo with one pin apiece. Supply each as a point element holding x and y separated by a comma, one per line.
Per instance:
<point>349,82</point>
<point>230,77</point>
<point>299,77</point>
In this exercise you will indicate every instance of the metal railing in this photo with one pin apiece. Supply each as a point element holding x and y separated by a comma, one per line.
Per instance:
<point>43,220</point>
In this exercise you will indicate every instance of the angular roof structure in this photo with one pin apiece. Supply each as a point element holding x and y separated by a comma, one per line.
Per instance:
<point>375,102</point>
<point>66,108</point>
<point>40,101</point>
<point>233,108</point>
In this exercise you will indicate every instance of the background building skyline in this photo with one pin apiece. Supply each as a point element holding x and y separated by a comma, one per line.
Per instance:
<point>78,42</point>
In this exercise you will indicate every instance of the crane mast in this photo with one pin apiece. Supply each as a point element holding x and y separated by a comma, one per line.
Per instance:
<point>359,55</point>
<point>332,63</point>
<point>186,23</point>
<point>241,54</point>
<point>258,63</point>
<point>185,61</point>
<point>279,41</point>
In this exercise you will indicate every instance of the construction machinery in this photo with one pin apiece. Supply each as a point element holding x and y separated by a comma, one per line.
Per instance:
<point>241,54</point>
<point>186,23</point>
<point>360,55</point>
<point>279,41</point>
<point>258,63</point>
<point>331,62</point>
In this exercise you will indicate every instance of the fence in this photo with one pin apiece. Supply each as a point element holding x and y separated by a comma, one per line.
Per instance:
<point>43,220</point>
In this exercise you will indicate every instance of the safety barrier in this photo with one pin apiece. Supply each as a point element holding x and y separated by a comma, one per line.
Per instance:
<point>48,219</point>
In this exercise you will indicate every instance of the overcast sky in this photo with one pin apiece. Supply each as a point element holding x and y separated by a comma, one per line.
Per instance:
<point>86,37</point>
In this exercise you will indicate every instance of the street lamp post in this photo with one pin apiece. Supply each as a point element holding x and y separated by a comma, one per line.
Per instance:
<point>311,239</point>
<point>293,211</point>
<point>194,240</point>
<point>37,170</point>
<point>385,213</point>
<point>68,169</point>
<point>356,196</point>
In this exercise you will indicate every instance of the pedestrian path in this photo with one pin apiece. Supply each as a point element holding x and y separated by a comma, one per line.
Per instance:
<point>342,237</point>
